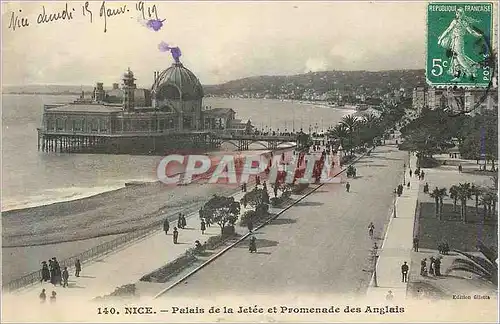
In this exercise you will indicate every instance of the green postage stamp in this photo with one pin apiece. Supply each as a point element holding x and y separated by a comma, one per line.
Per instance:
<point>459,44</point>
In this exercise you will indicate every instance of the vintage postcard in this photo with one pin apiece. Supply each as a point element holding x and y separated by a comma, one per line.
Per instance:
<point>249,161</point>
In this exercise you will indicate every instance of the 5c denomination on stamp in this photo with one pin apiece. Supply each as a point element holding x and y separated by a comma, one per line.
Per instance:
<point>459,44</point>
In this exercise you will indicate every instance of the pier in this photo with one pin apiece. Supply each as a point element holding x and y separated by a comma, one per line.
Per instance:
<point>151,142</point>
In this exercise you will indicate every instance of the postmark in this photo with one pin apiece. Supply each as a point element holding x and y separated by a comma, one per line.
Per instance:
<point>459,44</point>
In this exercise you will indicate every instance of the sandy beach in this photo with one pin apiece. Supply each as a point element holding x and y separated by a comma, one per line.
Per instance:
<point>67,228</point>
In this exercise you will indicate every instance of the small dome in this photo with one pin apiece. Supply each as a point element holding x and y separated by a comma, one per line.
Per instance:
<point>129,74</point>
<point>177,83</point>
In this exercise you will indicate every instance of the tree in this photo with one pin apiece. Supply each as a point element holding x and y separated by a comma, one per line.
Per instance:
<point>442,194</point>
<point>489,201</point>
<point>350,123</point>
<point>454,195</point>
<point>438,195</point>
<point>222,210</point>
<point>464,194</point>
<point>477,265</point>
<point>255,197</point>
<point>477,192</point>
<point>340,132</point>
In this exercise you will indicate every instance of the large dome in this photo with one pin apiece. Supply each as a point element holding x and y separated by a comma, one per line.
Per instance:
<point>176,83</point>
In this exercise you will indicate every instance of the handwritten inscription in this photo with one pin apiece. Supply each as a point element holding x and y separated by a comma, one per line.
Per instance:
<point>106,11</point>
<point>18,22</point>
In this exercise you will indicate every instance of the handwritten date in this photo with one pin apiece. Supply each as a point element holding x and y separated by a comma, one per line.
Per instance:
<point>107,10</point>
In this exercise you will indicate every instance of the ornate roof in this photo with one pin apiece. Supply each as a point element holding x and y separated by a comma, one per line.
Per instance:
<point>177,82</point>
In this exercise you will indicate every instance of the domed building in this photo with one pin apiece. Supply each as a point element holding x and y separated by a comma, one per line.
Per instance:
<point>132,120</point>
<point>178,90</point>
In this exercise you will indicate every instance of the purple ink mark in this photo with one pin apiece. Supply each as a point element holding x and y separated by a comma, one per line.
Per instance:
<point>163,47</point>
<point>155,24</point>
<point>175,51</point>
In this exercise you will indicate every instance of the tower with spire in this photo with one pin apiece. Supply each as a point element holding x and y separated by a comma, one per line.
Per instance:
<point>128,91</point>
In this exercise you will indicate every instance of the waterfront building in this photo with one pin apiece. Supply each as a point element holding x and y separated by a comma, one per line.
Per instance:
<point>456,100</point>
<point>132,120</point>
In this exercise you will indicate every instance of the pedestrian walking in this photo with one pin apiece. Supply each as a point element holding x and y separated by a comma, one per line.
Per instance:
<point>459,168</point>
<point>166,226</point>
<point>253,245</point>
<point>423,267</point>
<point>431,266</point>
<point>408,185</point>
<point>389,296</point>
<point>437,266</point>
<point>410,173</point>
<point>53,297</point>
<point>58,271</point>
<point>415,244</point>
<point>184,222</point>
<point>176,235</point>
<point>404,272</point>
<point>347,186</point>
<point>65,277</point>
<point>78,268</point>
<point>52,272</point>
<point>203,227</point>
<point>422,175</point>
<point>45,272</point>
<point>257,180</point>
<point>244,201</point>
<point>179,221</point>
<point>42,296</point>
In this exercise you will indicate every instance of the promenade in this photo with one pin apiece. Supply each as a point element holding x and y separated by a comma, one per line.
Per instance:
<point>319,247</point>
<point>398,242</point>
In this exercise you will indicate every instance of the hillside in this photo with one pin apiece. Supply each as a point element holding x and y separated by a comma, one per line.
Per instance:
<point>346,82</point>
<point>342,81</point>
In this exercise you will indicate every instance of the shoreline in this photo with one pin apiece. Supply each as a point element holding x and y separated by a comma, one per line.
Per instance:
<point>30,204</point>
<point>111,212</point>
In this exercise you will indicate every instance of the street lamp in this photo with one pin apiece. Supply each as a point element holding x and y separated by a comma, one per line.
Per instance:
<point>394,213</point>
<point>375,283</point>
<point>404,174</point>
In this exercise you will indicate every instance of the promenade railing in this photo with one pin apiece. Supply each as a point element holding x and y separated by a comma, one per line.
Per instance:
<point>103,248</point>
<point>97,251</point>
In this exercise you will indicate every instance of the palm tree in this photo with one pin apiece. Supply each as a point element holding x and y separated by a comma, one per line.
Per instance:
<point>477,265</point>
<point>442,194</point>
<point>351,123</point>
<point>437,194</point>
<point>489,200</point>
<point>340,132</point>
<point>464,194</point>
<point>372,127</point>
<point>454,196</point>
<point>476,191</point>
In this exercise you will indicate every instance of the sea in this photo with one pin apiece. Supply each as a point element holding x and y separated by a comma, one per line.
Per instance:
<point>31,178</point>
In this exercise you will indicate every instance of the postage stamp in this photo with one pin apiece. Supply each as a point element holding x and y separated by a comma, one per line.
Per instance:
<point>459,44</point>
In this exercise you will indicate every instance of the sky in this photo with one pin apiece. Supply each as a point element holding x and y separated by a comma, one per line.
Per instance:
<point>219,41</point>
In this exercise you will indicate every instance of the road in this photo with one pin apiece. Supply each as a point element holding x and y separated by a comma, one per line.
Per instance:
<point>319,246</point>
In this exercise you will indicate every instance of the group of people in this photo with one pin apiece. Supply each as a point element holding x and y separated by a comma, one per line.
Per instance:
<point>52,272</point>
<point>420,174</point>
<point>434,267</point>
<point>43,296</point>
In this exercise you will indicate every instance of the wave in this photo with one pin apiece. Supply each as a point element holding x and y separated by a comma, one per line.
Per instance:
<point>57,195</point>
